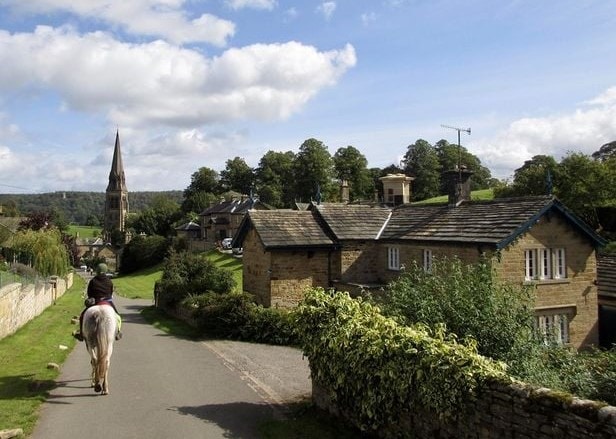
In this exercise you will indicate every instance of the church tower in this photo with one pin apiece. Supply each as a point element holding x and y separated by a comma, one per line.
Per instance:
<point>116,200</point>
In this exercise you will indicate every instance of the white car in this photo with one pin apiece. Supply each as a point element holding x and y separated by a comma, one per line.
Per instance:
<point>226,243</point>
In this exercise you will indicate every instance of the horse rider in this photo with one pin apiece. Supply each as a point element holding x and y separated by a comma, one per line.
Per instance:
<point>100,290</point>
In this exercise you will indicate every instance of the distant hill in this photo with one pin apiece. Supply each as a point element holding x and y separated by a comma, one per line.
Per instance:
<point>78,207</point>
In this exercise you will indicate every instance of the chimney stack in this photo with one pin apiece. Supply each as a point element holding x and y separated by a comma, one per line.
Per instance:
<point>344,191</point>
<point>458,186</point>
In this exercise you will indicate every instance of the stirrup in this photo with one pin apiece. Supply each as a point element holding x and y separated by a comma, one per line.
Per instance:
<point>78,336</point>
<point>118,335</point>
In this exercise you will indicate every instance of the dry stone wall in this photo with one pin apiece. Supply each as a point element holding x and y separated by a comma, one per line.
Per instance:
<point>502,411</point>
<point>20,303</point>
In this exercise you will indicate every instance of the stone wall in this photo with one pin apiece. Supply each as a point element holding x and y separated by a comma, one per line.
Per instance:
<point>502,411</point>
<point>20,303</point>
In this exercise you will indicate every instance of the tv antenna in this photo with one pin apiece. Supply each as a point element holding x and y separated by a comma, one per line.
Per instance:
<point>467,131</point>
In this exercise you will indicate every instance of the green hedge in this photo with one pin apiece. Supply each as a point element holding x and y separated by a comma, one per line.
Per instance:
<point>375,369</point>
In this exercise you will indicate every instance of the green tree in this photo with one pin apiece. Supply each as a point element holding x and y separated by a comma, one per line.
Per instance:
<point>274,177</point>
<point>352,166</point>
<point>202,189</point>
<point>45,246</point>
<point>143,252</point>
<point>422,162</point>
<point>584,185</point>
<point>313,171</point>
<point>159,219</point>
<point>530,178</point>
<point>237,176</point>
<point>468,300</point>
<point>451,155</point>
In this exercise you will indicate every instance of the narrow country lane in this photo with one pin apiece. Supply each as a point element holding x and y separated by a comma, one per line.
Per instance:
<point>165,387</point>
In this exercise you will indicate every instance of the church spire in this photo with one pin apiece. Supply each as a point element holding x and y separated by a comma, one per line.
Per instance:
<point>116,199</point>
<point>117,179</point>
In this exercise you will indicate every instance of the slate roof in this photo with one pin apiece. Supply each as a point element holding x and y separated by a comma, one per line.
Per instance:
<point>353,221</point>
<point>286,228</point>
<point>497,222</point>
<point>235,206</point>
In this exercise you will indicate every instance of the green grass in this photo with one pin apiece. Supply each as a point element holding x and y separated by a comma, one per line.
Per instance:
<point>138,285</point>
<point>480,195</point>
<point>24,378</point>
<point>84,231</point>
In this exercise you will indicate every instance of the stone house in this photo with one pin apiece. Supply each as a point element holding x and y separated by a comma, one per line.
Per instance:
<point>222,220</point>
<point>533,240</point>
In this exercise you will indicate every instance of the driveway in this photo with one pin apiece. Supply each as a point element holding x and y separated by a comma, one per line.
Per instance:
<point>166,387</point>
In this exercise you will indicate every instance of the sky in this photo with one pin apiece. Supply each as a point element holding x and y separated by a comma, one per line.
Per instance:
<point>194,83</point>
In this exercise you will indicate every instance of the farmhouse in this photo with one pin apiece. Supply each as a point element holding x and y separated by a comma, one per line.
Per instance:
<point>532,240</point>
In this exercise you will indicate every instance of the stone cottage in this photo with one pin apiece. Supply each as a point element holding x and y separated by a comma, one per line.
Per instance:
<point>532,240</point>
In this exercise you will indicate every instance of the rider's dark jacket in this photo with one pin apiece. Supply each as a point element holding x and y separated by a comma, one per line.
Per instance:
<point>100,287</point>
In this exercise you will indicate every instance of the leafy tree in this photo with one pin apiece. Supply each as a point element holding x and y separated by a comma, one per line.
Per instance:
<point>143,252</point>
<point>451,155</point>
<point>351,165</point>
<point>237,176</point>
<point>313,171</point>
<point>45,246</point>
<point>468,300</point>
<point>584,184</point>
<point>530,178</point>
<point>422,162</point>
<point>158,219</point>
<point>274,176</point>
<point>203,186</point>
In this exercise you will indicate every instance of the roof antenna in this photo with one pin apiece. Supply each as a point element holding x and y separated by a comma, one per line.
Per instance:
<point>548,183</point>
<point>467,131</point>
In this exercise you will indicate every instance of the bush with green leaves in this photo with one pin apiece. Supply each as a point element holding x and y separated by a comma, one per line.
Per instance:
<point>468,300</point>
<point>374,369</point>
<point>236,315</point>
<point>43,249</point>
<point>188,274</point>
<point>143,252</point>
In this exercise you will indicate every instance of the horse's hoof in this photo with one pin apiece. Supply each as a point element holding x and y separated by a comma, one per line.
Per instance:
<point>97,388</point>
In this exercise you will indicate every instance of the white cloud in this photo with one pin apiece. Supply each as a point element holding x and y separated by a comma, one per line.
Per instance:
<point>160,18</point>
<point>136,84</point>
<point>368,17</point>
<point>254,4</point>
<point>583,130</point>
<point>291,14</point>
<point>327,9</point>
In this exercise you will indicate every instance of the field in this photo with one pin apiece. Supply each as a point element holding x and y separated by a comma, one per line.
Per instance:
<point>480,195</point>
<point>84,231</point>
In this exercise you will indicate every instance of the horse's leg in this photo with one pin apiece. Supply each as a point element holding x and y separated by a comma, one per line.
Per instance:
<point>105,379</point>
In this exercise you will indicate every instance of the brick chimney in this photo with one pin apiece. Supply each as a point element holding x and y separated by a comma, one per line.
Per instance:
<point>458,183</point>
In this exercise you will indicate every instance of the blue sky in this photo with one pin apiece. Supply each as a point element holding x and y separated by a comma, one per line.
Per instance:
<point>192,83</point>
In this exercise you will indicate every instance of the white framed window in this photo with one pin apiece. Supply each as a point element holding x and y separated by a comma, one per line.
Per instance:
<point>393,258</point>
<point>560,266</point>
<point>553,327</point>
<point>544,263</point>
<point>427,260</point>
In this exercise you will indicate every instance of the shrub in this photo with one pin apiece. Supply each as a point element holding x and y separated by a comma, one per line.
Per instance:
<point>187,274</point>
<point>467,300</point>
<point>235,315</point>
<point>374,368</point>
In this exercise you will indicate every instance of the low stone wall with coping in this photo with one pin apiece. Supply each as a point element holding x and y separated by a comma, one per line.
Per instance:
<point>20,303</point>
<point>501,411</point>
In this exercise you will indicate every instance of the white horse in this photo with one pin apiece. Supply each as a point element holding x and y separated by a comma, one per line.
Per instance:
<point>99,331</point>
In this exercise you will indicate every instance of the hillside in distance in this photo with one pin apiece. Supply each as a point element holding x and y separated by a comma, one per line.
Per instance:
<point>85,208</point>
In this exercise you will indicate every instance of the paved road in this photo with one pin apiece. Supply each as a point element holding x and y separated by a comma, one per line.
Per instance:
<point>165,387</point>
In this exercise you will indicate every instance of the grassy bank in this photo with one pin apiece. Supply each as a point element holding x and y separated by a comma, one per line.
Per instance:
<point>24,378</point>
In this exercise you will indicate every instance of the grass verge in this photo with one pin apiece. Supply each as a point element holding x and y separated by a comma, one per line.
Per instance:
<point>138,285</point>
<point>228,262</point>
<point>25,381</point>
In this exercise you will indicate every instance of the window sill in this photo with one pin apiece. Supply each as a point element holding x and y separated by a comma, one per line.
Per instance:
<point>547,281</point>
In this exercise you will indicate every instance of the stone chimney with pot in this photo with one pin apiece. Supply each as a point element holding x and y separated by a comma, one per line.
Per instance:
<point>396,189</point>
<point>458,183</point>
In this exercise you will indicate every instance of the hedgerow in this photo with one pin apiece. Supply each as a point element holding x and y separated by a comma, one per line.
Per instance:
<point>374,369</point>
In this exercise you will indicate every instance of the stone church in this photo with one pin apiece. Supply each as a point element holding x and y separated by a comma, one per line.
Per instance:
<point>116,198</point>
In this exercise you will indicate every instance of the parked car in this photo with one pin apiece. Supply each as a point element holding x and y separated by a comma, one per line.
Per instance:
<point>226,243</point>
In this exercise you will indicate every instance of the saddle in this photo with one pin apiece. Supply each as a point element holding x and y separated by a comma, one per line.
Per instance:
<point>91,301</point>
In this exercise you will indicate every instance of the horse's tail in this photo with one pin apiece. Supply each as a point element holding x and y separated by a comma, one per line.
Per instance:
<point>105,334</point>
